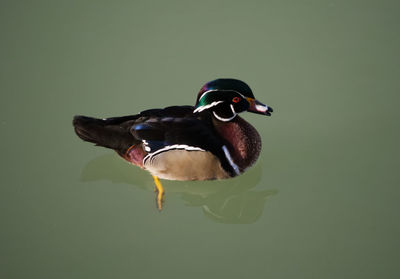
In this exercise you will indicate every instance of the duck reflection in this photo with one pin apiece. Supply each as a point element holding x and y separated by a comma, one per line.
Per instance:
<point>231,201</point>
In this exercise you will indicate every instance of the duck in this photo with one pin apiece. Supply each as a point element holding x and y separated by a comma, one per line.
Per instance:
<point>206,141</point>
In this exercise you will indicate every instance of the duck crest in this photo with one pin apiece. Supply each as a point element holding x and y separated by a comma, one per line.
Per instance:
<point>242,141</point>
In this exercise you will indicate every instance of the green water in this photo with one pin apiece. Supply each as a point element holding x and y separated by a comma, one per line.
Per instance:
<point>321,202</point>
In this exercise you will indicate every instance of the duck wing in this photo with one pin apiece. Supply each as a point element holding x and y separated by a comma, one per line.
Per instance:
<point>173,128</point>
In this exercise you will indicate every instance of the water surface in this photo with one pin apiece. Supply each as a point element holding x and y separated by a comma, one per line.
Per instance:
<point>321,202</point>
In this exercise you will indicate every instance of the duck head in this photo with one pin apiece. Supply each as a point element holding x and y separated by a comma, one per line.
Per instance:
<point>225,98</point>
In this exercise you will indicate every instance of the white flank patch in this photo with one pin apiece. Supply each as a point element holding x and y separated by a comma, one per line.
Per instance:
<point>213,104</point>
<point>228,156</point>
<point>170,147</point>
<point>146,146</point>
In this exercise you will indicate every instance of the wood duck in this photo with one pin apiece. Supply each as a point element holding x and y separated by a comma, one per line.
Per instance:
<point>202,142</point>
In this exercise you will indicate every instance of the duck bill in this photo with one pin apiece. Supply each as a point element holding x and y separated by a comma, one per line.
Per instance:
<point>258,107</point>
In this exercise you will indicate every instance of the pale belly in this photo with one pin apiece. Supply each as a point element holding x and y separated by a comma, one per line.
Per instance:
<point>185,165</point>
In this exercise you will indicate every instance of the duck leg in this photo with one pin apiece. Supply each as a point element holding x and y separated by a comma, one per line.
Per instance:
<point>159,192</point>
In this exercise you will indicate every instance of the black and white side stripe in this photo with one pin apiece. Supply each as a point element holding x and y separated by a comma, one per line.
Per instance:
<point>167,148</point>
<point>186,147</point>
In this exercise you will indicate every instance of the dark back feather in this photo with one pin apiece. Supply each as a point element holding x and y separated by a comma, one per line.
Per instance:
<point>110,133</point>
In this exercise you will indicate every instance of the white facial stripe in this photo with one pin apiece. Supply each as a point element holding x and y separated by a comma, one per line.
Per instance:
<point>208,91</point>
<point>223,119</point>
<point>201,108</point>
<point>243,97</point>
<point>205,93</point>
<point>169,147</point>
<point>233,109</point>
<point>230,160</point>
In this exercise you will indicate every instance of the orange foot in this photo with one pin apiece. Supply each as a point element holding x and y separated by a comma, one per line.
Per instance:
<point>160,193</point>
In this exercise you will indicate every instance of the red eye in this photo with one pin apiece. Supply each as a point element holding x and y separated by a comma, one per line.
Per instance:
<point>236,99</point>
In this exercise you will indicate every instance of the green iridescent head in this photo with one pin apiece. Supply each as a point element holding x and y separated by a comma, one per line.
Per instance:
<point>225,98</point>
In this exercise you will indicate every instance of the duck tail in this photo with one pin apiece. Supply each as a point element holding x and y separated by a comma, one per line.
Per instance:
<point>103,132</point>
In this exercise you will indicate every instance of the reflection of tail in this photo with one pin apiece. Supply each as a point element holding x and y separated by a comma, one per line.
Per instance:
<point>107,133</point>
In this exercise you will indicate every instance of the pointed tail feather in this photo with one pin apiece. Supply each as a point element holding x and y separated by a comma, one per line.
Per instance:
<point>103,133</point>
